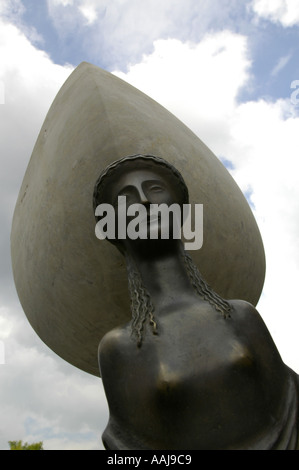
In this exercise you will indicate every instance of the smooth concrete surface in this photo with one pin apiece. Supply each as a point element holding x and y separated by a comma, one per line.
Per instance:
<point>72,286</point>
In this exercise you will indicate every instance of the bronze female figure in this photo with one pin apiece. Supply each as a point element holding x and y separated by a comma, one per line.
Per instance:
<point>192,370</point>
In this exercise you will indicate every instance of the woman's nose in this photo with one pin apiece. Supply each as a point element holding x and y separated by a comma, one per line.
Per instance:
<point>143,199</point>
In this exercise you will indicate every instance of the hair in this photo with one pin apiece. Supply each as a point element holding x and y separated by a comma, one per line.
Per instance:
<point>204,290</point>
<point>142,308</point>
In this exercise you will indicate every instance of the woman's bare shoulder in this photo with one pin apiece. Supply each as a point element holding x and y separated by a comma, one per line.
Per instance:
<point>115,338</point>
<point>238,303</point>
<point>113,349</point>
<point>247,316</point>
<point>243,309</point>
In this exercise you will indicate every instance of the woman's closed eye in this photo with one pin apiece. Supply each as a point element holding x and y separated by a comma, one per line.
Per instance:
<point>155,188</point>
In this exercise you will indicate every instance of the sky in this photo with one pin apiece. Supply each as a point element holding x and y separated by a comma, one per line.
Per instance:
<point>229,69</point>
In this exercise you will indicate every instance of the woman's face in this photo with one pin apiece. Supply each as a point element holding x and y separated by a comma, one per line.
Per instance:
<point>145,187</point>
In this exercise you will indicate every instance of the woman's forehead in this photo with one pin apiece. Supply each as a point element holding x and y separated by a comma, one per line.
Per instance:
<point>136,177</point>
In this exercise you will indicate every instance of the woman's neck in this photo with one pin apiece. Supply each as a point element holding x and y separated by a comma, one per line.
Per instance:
<point>164,274</point>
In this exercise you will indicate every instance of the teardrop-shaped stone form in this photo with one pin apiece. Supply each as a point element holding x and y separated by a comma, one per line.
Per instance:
<point>72,286</point>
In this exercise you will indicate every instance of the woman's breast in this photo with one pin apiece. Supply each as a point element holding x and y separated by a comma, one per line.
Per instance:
<point>200,388</point>
<point>213,396</point>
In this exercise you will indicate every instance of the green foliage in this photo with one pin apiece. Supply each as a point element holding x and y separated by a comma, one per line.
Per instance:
<point>18,445</point>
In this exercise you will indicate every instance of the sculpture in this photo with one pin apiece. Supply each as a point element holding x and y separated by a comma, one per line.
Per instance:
<point>192,370</point>
<point>60,268</point>
<point>73,288</point>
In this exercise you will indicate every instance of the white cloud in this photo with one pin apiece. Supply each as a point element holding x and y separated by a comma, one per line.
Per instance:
<point>88,8</point>
<point>10,8</point>
<point>121,31</point>
<point>197,82</point>
<point>30,81</point>
<point>42,397</point>
<point>2,93</point>
<point>13,10</point>
<point>6,324</point>
<point>285,12</point>
<point>64,3</point>
<point>89,11</point>
<point>263,149</point>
